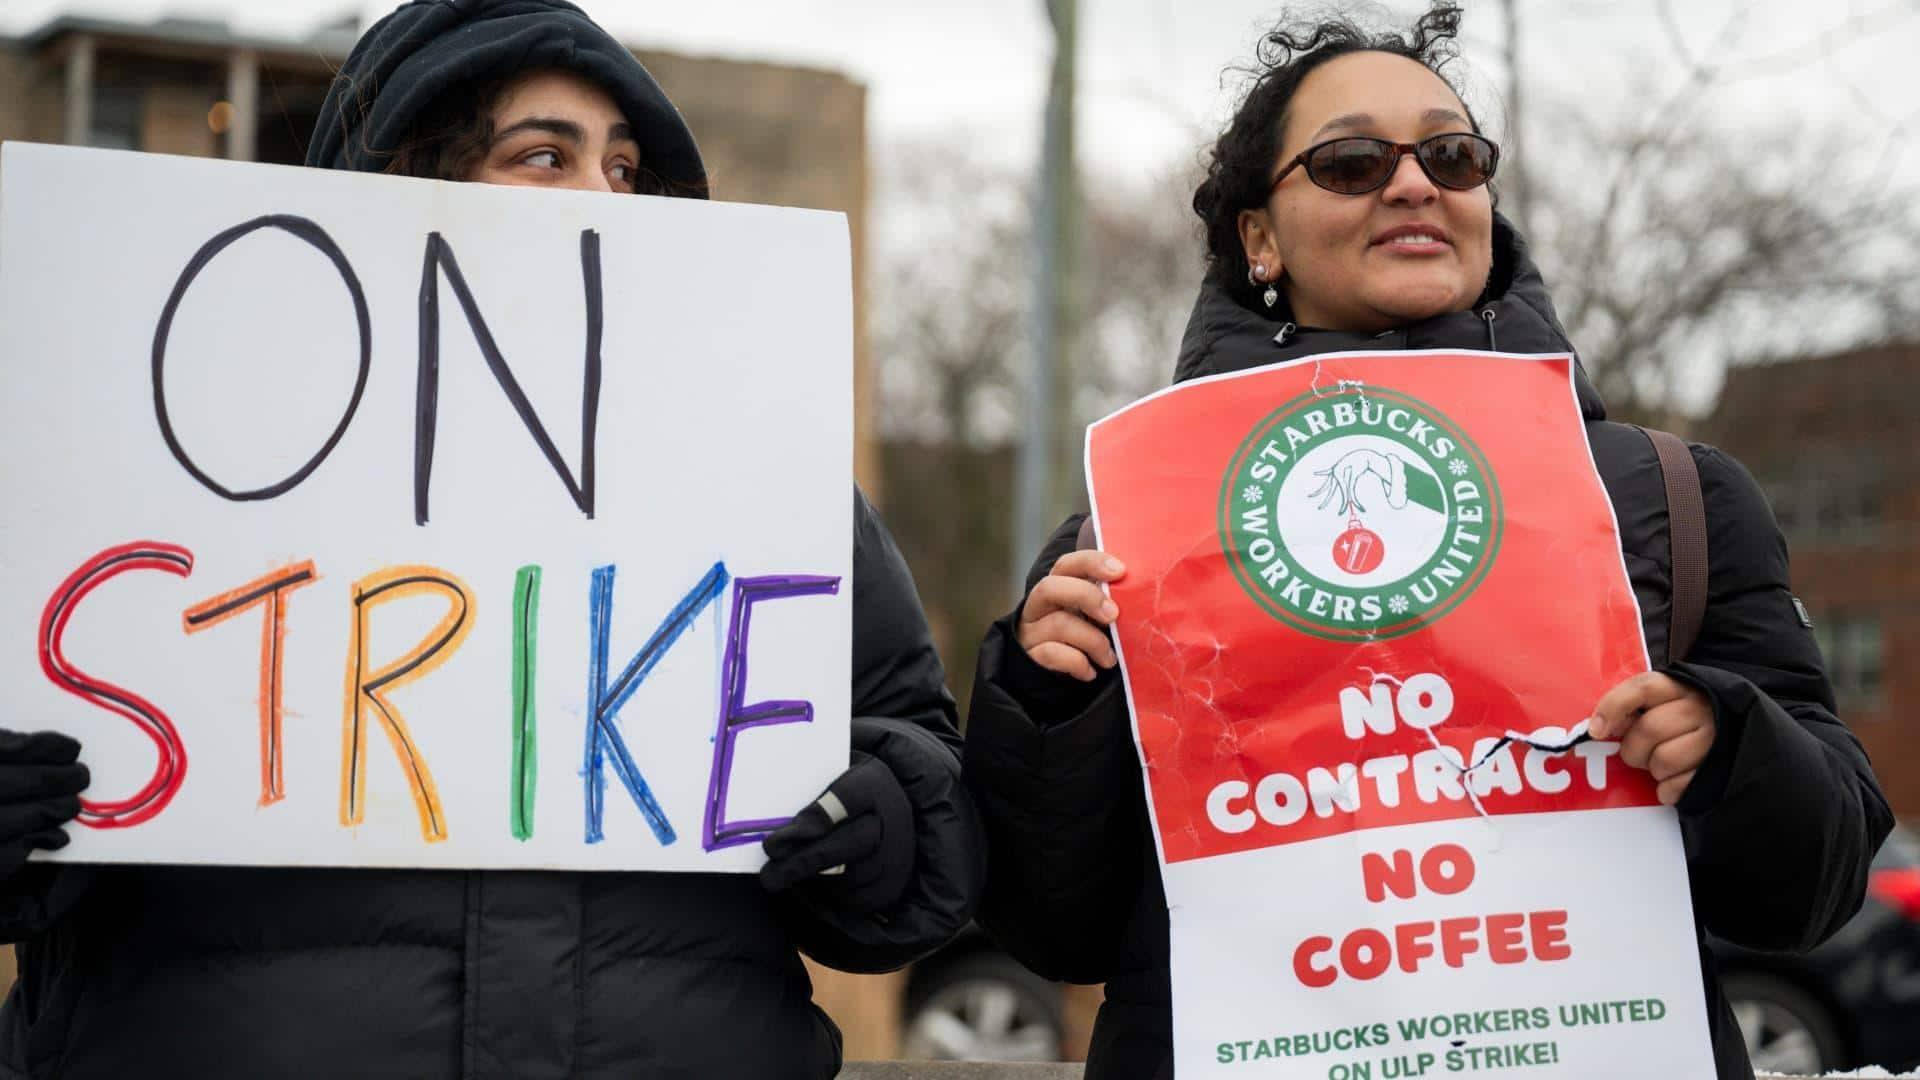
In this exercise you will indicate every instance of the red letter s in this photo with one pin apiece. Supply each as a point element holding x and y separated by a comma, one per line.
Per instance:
<point>172,766</point>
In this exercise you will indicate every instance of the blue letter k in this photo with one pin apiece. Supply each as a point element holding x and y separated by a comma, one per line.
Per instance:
<point>604,701</point>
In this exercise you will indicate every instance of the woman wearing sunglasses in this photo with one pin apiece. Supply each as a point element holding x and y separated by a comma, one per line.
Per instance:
<point>1347,207</point>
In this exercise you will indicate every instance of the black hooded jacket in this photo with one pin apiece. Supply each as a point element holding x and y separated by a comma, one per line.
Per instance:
<point>427,47</point>
<point>1779,823</point>
<point>229,972</point>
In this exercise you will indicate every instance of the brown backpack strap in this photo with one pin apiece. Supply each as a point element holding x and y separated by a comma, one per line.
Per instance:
<point>1686,540</point>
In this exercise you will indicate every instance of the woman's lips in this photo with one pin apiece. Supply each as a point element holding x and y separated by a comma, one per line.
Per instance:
<point>1417,246</point>
<point>1413,240</point>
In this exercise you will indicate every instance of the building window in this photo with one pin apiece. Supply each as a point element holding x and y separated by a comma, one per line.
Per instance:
<point>1852,647</point>
<point>116,118</point>
<point>1832,495</point>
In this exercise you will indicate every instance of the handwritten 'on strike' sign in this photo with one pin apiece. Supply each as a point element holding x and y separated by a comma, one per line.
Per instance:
<point>358,520</point>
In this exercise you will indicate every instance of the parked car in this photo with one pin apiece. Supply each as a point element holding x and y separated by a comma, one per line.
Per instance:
<point>972,1002</point>
<point>1852,1002</point>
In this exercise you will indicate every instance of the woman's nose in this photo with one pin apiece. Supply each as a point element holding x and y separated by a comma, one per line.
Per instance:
<point>1409,185</point>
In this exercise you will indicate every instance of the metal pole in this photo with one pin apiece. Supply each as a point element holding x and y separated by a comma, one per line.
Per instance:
<point>78,128</point>
<point>243,93</point>
<point>1069,436</point>
<point>1515,187</point>
<point>1041,459</point>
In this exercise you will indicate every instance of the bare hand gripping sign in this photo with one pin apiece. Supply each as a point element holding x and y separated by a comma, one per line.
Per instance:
<point>331,572</point>
<point>1370,601</point>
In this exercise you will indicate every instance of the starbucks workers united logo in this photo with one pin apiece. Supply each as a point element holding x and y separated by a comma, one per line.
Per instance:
<point>1359,514</point>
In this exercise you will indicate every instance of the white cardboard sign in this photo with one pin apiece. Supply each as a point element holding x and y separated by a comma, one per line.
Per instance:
<point>361,520</point>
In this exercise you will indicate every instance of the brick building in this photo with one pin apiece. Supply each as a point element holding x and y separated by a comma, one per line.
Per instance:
<point>770,133</point>
<point>1835,442</point>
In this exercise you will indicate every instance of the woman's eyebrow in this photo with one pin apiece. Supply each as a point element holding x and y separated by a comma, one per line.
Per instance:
<point>622,132</point>
<point>1347,122</point>
<point>1364,120</point>
<point>1444,116</point>
<point>565,129</point>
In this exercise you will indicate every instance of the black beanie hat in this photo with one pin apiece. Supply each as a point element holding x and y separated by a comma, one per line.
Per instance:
<point>406,60</point>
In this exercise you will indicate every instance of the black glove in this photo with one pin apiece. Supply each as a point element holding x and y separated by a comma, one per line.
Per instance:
<point>853,848</point>
<point>40,784</point>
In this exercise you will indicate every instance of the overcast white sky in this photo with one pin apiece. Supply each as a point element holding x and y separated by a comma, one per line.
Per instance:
<point>975,70</point>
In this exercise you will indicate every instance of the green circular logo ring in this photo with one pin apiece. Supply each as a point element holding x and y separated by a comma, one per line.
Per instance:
<point>1386,461</point>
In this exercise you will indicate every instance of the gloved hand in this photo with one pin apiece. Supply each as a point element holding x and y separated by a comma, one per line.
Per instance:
<point>40,784</point>
<point>853,848</point>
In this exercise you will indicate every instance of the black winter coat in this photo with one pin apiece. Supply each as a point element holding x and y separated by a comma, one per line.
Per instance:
<point>216,971</point>
<point>1779,823</point>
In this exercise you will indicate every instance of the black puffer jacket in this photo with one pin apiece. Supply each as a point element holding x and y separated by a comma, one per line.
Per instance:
<point>1779,823</point>
<point>218,971</point>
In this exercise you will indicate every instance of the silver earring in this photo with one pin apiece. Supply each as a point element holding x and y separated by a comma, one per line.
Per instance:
<point>1255,276</point>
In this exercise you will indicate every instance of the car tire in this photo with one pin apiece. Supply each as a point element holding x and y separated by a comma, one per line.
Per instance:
<point>981,1007</point>
<point>1787,1030</point>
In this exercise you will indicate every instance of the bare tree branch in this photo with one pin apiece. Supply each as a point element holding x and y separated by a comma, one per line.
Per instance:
<point>1717,250</point>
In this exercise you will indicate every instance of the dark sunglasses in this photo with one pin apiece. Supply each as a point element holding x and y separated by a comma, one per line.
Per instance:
<point>1357,164</point>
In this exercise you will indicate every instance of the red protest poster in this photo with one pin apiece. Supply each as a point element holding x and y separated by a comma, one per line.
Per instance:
<point>1370,600</point>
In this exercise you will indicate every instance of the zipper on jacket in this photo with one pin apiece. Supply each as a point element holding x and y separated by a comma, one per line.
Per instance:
<point>1286,331</point>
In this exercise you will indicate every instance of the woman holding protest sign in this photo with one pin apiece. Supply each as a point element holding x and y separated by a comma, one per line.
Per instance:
<point>211,971</point>
<point>1347,209</point>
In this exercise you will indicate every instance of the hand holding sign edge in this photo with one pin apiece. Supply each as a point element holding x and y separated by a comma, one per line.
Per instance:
<point>40,784</point>
<point>853,846</point>
<point>1665,727</point>
<point>1064,622</point>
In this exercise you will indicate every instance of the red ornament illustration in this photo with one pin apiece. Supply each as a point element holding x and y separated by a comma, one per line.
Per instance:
<point>1359,550</point>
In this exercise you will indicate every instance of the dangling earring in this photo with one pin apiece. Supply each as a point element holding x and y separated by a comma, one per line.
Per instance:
<point>1255,276</point>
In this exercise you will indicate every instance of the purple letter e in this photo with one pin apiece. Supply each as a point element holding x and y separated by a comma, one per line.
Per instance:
<point>736,716</point>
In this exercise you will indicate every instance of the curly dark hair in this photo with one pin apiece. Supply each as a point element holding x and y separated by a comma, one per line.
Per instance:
<point>450,137</point>
<point>1240,169</point>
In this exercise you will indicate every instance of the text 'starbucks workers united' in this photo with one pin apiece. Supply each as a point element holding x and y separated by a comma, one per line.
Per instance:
<point>1359,513</point>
